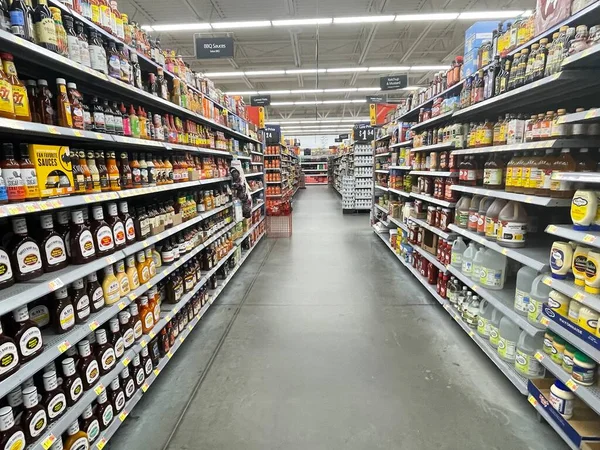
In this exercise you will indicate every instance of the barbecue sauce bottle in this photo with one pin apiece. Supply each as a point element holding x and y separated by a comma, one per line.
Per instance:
<point>116,225</point>
<point>72,382</point>
<point>95,293</point>
<point>54,253</point>
<point>9,359</point>
<point>13,437</point>
<point>63,311</point>
<point>105,411</point>
<point>25,255</point>
<point>54,399</point>
<point>28,336</point>
<point>103,237</point>
<point>104,352</point>
<point>81,301</point>
<point>90,423</point>
<point>34,419</point>
<point>88,366</point>
<point>82,245</point>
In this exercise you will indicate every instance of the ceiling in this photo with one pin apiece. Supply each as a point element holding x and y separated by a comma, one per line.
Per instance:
<point>311,46</point>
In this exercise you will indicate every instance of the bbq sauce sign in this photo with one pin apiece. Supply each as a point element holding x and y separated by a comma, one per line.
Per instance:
<point>363,132</point>
<point>272,134</point>
<point>213,47</point>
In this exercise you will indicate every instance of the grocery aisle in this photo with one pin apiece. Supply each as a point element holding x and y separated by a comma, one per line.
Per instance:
<point>335,346</point>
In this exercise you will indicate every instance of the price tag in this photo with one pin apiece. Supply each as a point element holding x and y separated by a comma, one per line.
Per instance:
<point>126,362</point>
<point>551,229</point>
<point>167,318</point>
<point>156,372</point>
<point>14,209</point>
<point>143,343</point>
<point>531,399</point>
<point>48,441</point>
<point>55,284</point>
<point>99,389</point>
<point>63,346</point>
<point>99,137</point>
<point>545,321</point>
<point>152,334</point>
<point>52,129</point>
<point>504,251</point>
<point>132,296</point>
<point>77,133</point>
<point>101,443</point>
<point>181,339</point>
<point>145,387</point>
<point>44,206</point>
<point>121,306</point>
<point>30,207</point>
<point>94,325</point>
<point>474,288</point>
<point>169,355</point>
<point>148,285</point>
<point>591,114</point>
<point>539,356</point>
<point>589,238</point>
<point>548,281</point>
<point>471,333</point>
<point>123,416</point>
<point>571,384</point>
<point>578,296</point>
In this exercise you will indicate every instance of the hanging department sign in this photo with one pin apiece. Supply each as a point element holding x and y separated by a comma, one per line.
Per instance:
<point>260,100</point>
<point>213,47</point>
<point>376,98</point>
<point>393,82</point>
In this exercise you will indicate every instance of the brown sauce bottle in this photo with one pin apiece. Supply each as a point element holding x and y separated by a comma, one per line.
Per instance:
<point>146,361</point>
<point>27,336</point>
<point>81,301</point>
<point>34,419</point>
<point>104,411</point>
<point>136,321</point>
<point>25,255</point>
<point>90,423</point>
<point>7,277</point>
<point>88,365</point>
<point>126,329</point>
<point>54,399</point>
<point>127,383</point>
<point>9,359</point>
<point>52,245</point>
<point>81,244</point>
<point>103,237</point>
<point>72,382</point>
<point>63,313</point>
<point>11,434</point>
<point>116,225</point>
<point>105,354</point>
<point>116,338</point>
<point>63,228</point>
<point>95,293</point>
<point>116,396</point>
<point>39,312</point>
<point>127,222</point>
<point>138,372</point>
<point>103,171</point>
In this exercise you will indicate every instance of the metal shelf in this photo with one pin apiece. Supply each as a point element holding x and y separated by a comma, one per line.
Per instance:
<point>381,208</point>
<point>434,147</point>
<point>256,163</point>
<point>257,191</point>
<point>400,167</point>
<point>542,412</point>
<point>433,121</point>
<point>548,143</point>
<point>413,114</point>
<point>566,231</point>
<point>502,300</point>
<point>430,199</point>
<point>401,225</point>
<point>582,345</point>
<point>589,394</point>
<point>429,257</point>
<point>255,207</point>
<point>382,171</point>
<point>587,59</point>
<point>433,173</point>
<point>588,116</point>
<point>255,174</point>
<point>535,257</point>
<point>381,187</point>
<point>255,153</point>
<point>383,138</point>
<point>570,289</point>
<point>523,198</point>
<point>402,144</point>
<point>399,192</point>
<point>581,177</point>
<point>436,230</point>
<point>378,155</point>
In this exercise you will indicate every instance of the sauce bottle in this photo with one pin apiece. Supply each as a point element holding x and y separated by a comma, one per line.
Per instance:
<point>19,92</point>
<point>146,314</point>
<point>7,106</point>
<point>44,104</point>
<point>545,172</point>
<point>90,424</point>
<point>65,117</point>
<point>11,434</point>
<point>25,255</point>
<point>102,171</point>
<point>116,338</point>
<point>142,267</point>
<point>125,175</point>
<point>134,121</point>
<point>9,356</point>
<point>34,419</point>
<point>63,311</point>
<point>116,396</point>
<point>126,328</point>
<point>127,383</point>
<point>81,301</point>
<point>94,172</point>
<point>563,163</point>
<point>54,399</point>
<point>95,293</point>
<point>104,410</point>
<point>136,321</point>
<point>109,118</point>
<point>138,371</point>
<point>122,279</point>
<point>27,336</point>
<point>28,174</point>
<point>116,226</point>
<point>86,172</point>
<point>102,232</point>
<point>76,439</point>
<point>84,46</point>
<point>15,401</point>
<point>136,172</point>
<point>81,244</point>
<point>76,101</point>
<point>110,286</point>
<point>45,30</point>
<point>88,366</point>
<point>54,253</point>
<point>143,170</point>
<point>105,354</point>
<point>132,273</point>
<point>11,172</point>
<point>127,223</point>
<point>78,177</point>
<point>72,382</point>
<point>150,262</point>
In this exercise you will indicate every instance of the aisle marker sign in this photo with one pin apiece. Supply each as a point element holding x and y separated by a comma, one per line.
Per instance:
<point>213,47</point>
<point>393,82</point>
<point>363,132</point>
<point>272,134</point>
<point>260,100</point>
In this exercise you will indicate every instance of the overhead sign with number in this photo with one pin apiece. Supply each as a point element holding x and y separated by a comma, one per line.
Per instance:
<point>260,100</point>
<point>213,47</point>
<point>272,134</point>
<point>363,132</point>
<point>393,82</point>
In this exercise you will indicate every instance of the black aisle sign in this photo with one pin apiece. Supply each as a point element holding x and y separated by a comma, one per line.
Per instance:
<point>338,139</point>
<point>394,82</point>
<point>344,136</point>
<point>376,99</point>
<point>213,47</point>
<point>363,132</point>
<point>272,134</point>
<point>260,100</point>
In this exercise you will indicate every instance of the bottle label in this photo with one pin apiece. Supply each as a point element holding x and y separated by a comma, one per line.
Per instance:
<point>483,327</point>
<point>67,317</point>
<point>130,388</point>
<point>111,294</point>
<point>528,365</point>
<point>3,191</point>
<point>555,184</point>
<point>76,389</point>
<point>511,231</point>
<point>96,14</point>
<point>107,416</point>
<point>93,430</point>
<point>38,423</point>
<point>98,298</point>
<point>45,31</point>
<point>149,320</point>
<point>129,338</point>
<point>84,50</point>
<point>119,233</point>
<point>6,272</point>
<point>20,101</point>
<point>494,335</point>
<point>109,121</point>
<point>492,177</point>
<point>55,251</point>
<point>86,244</point>
<point>134,282</point>
<point>83,307</point>
<point>145,274</point>
<point>467,267</point>
<point>104,239</point>
<point>137,330</point>
<point>521,301</point>
<point>506,348</point>
<point>563,406</point>
<point>148,367</point>
<point>92,372</point>
<point>130,228</point>
<point>120,402</point>
<point>74,50</point>
<point>97,59</point>
<point>119,348</point>
<point>124,286</point>
<point>140,376</point>
<point>491,277</point>
<point>108,359</point>
<point>167,256</point>
<point>28,257</point>
<point>9,357</point>
<point>57,406</point>
<point>137,175</point>
<point>156,313</point>
<point>15,187</point>
<point>16,441</point>
<point>17,23</point>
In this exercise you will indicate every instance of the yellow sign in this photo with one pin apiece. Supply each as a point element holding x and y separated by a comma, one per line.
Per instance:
<point>373,114</point>
<point>261,117</point>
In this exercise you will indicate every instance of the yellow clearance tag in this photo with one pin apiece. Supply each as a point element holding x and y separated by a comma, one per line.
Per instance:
<point>64,346</point>
<point>539,356</point>
<point>145,387</point>
<point>94,325</point>
<point>123,416</point>
<point>544,321</point>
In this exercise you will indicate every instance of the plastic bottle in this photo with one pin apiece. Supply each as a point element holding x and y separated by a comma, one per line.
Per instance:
<point>561,258</point>
<point>485,314</point>
<point>467,259</point>
<point>493,270</point>
<point>512,225</point>
<point>525,362</point>
<point>592,272</point>
<point>458,249</point>
<point>494,327</point>
<point>474,213</point>
<point>491,219</point>
<point>462,212</point>
<point>477,264</point>
<point>538,296</point>
<point>507,343</point>
<point>525,277</point>
<point>484,205</point>
<point>579,264</point>
<point>562,399</point>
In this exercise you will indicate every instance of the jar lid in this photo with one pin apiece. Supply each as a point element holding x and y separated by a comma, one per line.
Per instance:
<point>560,385</point>
<point>571,348</point>
<point>580,356</point>
<point>559,340</point>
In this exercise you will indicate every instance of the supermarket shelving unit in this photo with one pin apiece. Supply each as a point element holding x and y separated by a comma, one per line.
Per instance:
<point>316,168</point>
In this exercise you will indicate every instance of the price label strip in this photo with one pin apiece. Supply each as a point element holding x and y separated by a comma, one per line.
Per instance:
<point>64,346</point>
<point>99,389</point>
<point>48,441</point>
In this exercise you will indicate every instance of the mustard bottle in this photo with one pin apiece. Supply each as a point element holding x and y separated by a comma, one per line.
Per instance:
<point>150,262</point>
<point>122,279</point>
<point>142,267</point>
<point>110,286</point>
<point>132,273</point>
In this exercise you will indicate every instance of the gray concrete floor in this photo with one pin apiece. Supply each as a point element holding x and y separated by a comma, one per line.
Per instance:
<point>325,341</point>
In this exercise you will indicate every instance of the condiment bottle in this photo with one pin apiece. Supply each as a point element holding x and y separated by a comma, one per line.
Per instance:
<point>563,163</point>
<point>116,338</point>
<point>27,336</point>
<point>88,365</point>
<point>102,232</point>
<point>127,222</point>
<point>90,424</point>
<point>117,396</point>
<point>138,371</point>
<point>125,176</point>
<point>65,118</point>
<point>110,287</point>
<point>102,171</point>
<point>63,311</point>
<point>7,105</point>
<point>104,410</point>
<point>142,267</point>
<point>28,173</point>
<point>105,354</point>
<point>45,30</point>
<point>11,434</point>
<point>86,172</point>
<point>76,439</point>
<point>109,117</point>
<point>127,383</point>
<point>147,363</point>
<point>25,255</point>
<point>94,172</point>
<point>9,356</point>
<point>54,399</point>
<point>150,262</point>
<point>122,278</point>
<point>136,321</point>
<point>132,273</point>
<point>11,172</point>
<point>146,314</point>
<point>19,91</point>
<point>116,226</point>
<point>82,244</point>
<point>54,254</point>
<point>72,382</point>
<point>95,293</point>
<point>81,301</point>
<point>34,419</point>
<point>78,177</point>
<point>15,401</point>
<point>44,104</point>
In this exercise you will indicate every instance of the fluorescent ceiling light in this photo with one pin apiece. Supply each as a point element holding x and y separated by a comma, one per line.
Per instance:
<point>282,103</point>
<point>307,91</point>
<point>223,74</point>
<point>249,24</point>
<point>427,68</point>
<point>178,27</point>
<point>420,17</point>
<point>362,100</point>
<point>292,22</point>
<point>310,127</point>
<point>309,102</point>
<point>410,88</point>
<point>363,19</point>
<point>389,69</point>
<point>264,72</point>
<point>273,92</point>
<point>242,93</point>
<point>300,71</point>
<point>489,15</point>
<point>341,90</point>
<point>318,102</point>
<point>368,89</point>
<point>319,121</point>
<point>347,69</point>
<point>333,102</point>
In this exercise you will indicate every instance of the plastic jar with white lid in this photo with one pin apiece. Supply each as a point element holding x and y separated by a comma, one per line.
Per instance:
<point>588,319</point>
<point>568,356</point>
<point>584,369</point>
<point>562,399</point>
<point>574,307</point>
<point>558,349</point>
<point>559,303</point>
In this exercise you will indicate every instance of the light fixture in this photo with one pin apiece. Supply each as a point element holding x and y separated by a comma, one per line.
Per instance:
<point>427,68</point>
<point>301,71</point>
<point>264,72</point>
<point>178,27</point>
<point>282,103</point>
<point>363,19</point>
<point>369,89</point>
<point>410,88</point>
<point>318,102</point>
<point>389,69</point>
<point>223,74</point>
<point>307,91</point>
<point>242,93</point>
<point>234,25</point>
<point>374,69</point>
<point>333,102</point>
<point>347,69</point>
<point>309,102</point>
<point>489,15</point>
<point>341,90</point>
<point>301,127</point>
<point>421,17</point>
<point>292,22</point>
<point>273,92</point>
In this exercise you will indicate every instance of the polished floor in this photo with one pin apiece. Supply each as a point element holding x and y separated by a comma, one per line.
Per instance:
<point>325,341</point>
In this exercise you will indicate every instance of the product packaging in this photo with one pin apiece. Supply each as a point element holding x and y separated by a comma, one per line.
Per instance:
<point>53,169</point>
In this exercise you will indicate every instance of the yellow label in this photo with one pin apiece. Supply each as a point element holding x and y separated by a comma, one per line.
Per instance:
<point>99,389</point>
<point>52,130</point>
<point>20,101</point>
<point>169,355</point>
<point>156,372</point>
<point>373,114</point>
<point>31,208</point>
<point>45,30</point>
<point>96,14</point>
<point>123,416</point>
<point>152,334</point>
<point>572,385</point>
<point>143,343</point>
<point>101,443</point>
<point>94,325</point>
<point>261,117</point>
<point>589,238</point>
<point>77,133</point>
<point>64,346</point>
<point>121,306</point>
<point>532,400</point>
<point>48,442</point>
<point>539,356</point>
<point>6,97</point>
<point>544,321</point>
<point>126,362</point>
<point>145,387</point>
<point>551,229</point>
<point>578,296</point>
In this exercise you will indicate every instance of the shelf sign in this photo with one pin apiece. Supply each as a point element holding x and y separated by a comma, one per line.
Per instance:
<point>338,139</point>
<point>363,132</point>
<point>272,134</point>
<point>260,100</point>
<point>376,98</point>
<point>393,82</point>
<point>213,47</point>
<point>344,136</point>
